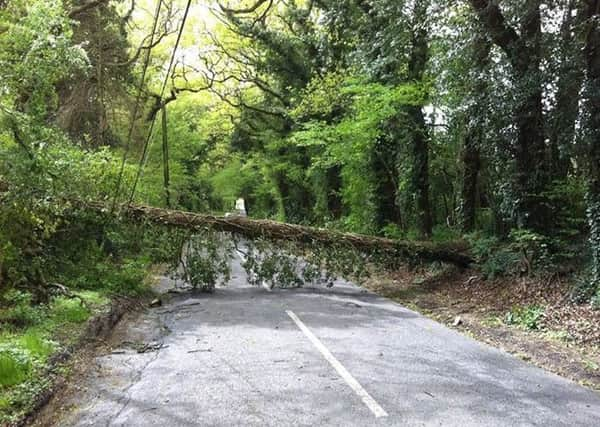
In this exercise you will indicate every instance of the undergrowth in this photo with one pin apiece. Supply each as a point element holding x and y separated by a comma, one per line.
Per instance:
<point>32,331</point>
<point>29,336</point>
<point>528,317</point>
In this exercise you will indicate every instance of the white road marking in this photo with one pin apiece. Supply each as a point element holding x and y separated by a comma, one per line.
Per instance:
<point>377,410</point>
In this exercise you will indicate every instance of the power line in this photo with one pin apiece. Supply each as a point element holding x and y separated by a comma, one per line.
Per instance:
<point>136,107</point>
<point>143,158</point>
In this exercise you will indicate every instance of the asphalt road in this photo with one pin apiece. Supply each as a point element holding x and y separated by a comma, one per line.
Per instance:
<point>312,357</point>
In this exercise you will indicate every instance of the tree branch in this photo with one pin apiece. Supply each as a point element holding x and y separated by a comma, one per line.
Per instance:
<point>85,7</point>
<point>502,34</point>
<point>247,10</point>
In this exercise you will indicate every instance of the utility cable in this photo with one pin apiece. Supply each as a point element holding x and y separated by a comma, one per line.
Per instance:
<point>143,157</point>
<point>136,108</point>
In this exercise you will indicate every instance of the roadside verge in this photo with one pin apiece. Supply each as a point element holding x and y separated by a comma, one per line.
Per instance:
<point>69,336</point>
<point>529,317</point>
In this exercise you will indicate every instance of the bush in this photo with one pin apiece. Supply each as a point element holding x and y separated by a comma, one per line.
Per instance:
<point>443,233</point>
<point>533,249</point>
<point>584,288</point>
<point>482,246</point>
<point>120,278</point>
<point>16,309</point>
<point>502,262</point>
<point>528,317</point>
<point>566,201</point>
<point>393,231</point>
<point>524,253</point>
<point>494,258</point>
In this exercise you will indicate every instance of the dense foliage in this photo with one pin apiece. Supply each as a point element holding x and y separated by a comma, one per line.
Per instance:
<point>408,119</point>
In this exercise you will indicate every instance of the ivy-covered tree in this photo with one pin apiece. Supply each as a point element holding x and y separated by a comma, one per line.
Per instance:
<point>86,102</point>
<point>523,50</point>
<point>592,131</point>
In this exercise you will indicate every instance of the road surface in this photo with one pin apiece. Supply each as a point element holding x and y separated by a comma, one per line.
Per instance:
<point>312,357</point>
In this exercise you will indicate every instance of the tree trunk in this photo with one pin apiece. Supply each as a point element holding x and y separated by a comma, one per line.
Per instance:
<point>279,231</point>
<point>570,78</point>
<point>592,125</point>
<point>476,116</point>
<point>471,165</point>
<point>334,185</point>
<point>530,156</point>
<point>420,139</point>
<point>530,150</point>
<point>453,253</point>
<point>386,176</point>
<point>524,53</point>
<point>420,177</point>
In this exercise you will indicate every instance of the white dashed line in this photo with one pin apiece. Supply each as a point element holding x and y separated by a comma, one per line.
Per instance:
<point>377,410</point>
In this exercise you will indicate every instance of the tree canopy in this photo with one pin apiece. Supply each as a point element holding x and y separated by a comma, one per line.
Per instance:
<point>403,119</point>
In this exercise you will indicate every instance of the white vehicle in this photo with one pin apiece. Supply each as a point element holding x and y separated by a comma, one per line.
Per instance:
<point>239,210</point>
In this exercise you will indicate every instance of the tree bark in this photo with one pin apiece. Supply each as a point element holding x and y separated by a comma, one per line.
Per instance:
<point>420,178</point>
<point>524,54</point>
<point>453,253</point>
<point>386,175</point>
<point>420,139</point>
<point>592,115</point>
<point>471,156</point>
<point>85,6</point>
<point>570,78</point>
<point>334,185</point>
<point>471,165</point>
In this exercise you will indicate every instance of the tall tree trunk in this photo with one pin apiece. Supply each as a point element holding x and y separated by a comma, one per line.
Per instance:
<point>420,176</point>
<point>530,156</point>
<point>420,138</point>
<point>471,166</point>
<point>334,187</point>
<point>386,173</point>
<point>524,53</point>
<point>592,110</point>
<point>530,150</point>
<point>570,78</point>
<point>475,119</point>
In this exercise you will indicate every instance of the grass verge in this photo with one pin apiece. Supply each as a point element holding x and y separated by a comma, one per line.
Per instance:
<point>36,340</point>
<point>32,340</point>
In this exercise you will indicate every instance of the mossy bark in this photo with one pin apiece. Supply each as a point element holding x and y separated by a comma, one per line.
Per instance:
<point>592,107</point>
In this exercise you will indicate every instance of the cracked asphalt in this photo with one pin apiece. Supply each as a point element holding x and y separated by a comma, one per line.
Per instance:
<point>238,358</point>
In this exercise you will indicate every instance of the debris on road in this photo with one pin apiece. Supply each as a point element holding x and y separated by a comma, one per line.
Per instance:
<point>149,347</point>
<point>200,350</point>
<point>157,302</point>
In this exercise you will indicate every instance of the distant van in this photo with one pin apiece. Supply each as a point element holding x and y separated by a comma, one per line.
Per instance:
<point>239,210</point>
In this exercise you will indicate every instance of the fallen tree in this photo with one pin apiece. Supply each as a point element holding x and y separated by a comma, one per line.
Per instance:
<point>454,253</point>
